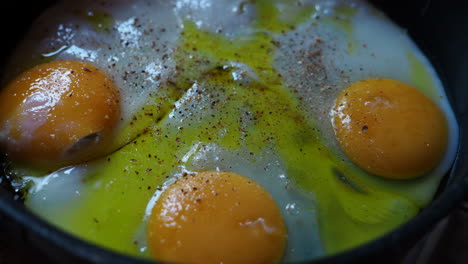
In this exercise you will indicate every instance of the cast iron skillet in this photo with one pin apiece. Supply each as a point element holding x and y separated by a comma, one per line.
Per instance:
<point>440,27</point>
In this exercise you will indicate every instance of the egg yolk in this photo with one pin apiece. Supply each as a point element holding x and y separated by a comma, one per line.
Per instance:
<point>390,128</point>
<point>58,112</point>
<point>216,217</point>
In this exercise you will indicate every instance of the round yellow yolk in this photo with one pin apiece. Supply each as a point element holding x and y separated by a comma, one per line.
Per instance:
<point>390,128</point>
<point>216,217</point>
<point>58,112</point>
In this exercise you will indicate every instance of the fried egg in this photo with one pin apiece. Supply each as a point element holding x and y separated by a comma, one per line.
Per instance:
<point>270,98</point>
<point>59,112</point>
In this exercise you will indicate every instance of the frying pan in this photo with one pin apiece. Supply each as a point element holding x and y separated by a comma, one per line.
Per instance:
<point>439,27</point>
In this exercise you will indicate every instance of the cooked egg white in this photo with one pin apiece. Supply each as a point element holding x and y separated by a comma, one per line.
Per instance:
<point>125,39</point>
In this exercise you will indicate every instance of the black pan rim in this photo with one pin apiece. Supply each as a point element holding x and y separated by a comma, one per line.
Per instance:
<point>420,224</point>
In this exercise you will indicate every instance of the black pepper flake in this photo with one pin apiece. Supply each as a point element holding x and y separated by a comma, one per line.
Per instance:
<point>365,128</point>
<point>87,70</point>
